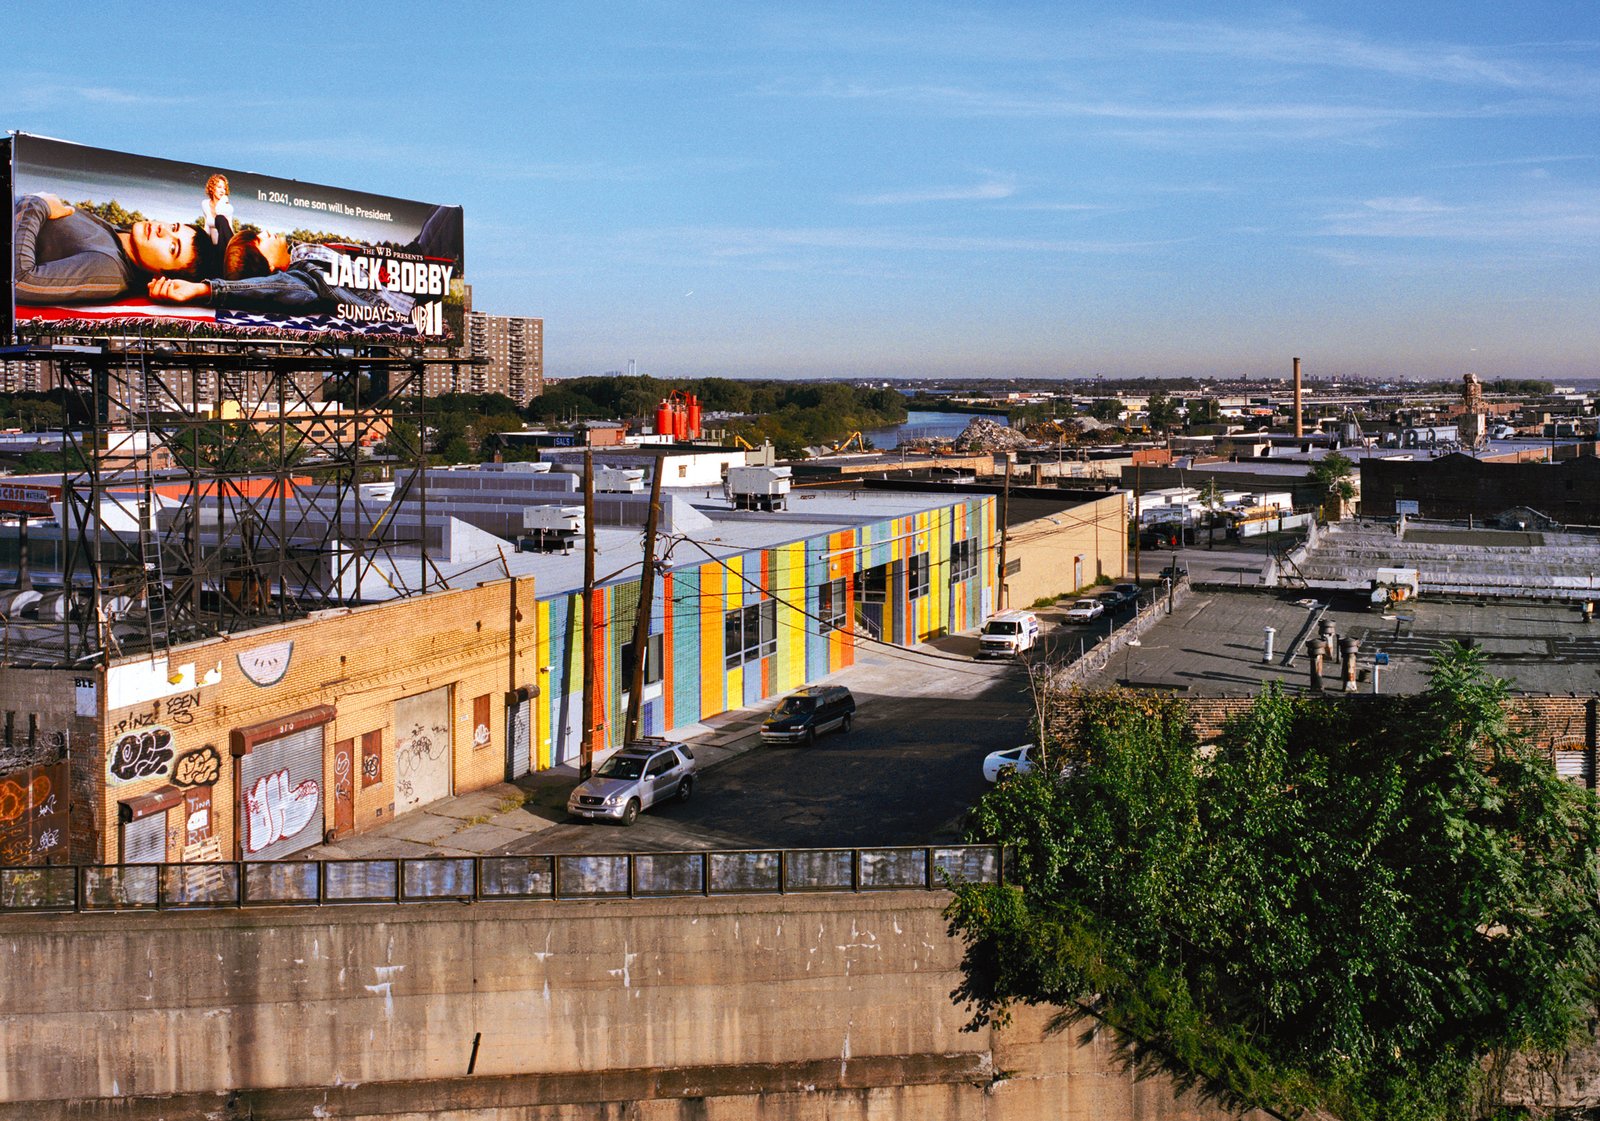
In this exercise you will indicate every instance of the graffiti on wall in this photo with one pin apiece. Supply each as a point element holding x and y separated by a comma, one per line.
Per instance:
<point>141,753</point>
<point>178,709</point>
<point>344,786</point>
<point>371,759</point>
<point>266,665</point>
<point>33,815</point>
<point>274,810</point>
<point>200,767</point>
<point>414,750</point>
<point>422,749</point>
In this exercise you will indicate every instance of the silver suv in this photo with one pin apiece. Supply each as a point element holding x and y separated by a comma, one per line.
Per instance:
<point>637,777</point>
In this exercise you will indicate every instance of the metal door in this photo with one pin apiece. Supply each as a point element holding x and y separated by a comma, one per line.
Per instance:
<point>280,795</point>
<point>519,725</point>
<point>145,841</point>
<point>422,749</point>
<point>344,787</point>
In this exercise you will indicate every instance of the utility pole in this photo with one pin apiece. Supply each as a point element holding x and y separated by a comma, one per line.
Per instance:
<point>1005,527</point>
<point>591,688</point>
<point>1138,522</point>
<point>641,626</point>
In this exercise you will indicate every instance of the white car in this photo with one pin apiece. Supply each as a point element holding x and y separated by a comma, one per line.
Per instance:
<point>638,776</point>
<point>1018,759</point>
<point>1085,610</point>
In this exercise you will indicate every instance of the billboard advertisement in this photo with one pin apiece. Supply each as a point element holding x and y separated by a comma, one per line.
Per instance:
<point>106,243</point>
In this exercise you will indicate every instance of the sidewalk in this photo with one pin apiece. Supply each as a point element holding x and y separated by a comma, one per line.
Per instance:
<point>488,820</point>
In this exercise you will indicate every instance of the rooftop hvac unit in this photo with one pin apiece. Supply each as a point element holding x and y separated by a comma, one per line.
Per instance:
<point>550,528</point>
<point>618,480</point>
<point>757,488</point>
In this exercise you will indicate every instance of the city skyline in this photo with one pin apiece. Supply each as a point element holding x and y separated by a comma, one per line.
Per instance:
<point>928,191</point>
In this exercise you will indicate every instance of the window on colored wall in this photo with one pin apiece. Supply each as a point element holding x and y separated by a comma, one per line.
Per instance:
<point>874,584</point>
<point>832,609</point>
<point>963,560</point>
<point>917,575</point>
<point>750,633</point>
<point>653,667</point>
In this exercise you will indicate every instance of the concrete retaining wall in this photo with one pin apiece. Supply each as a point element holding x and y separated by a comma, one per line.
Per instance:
<point>786,1007</point>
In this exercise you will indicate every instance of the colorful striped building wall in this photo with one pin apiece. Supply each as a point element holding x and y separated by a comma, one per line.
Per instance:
<point>691,602</point>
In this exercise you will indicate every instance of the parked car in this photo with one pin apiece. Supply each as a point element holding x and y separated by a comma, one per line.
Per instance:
<point>1012,759</point>
<point>1174,572</point>
<point>1112,601</point>
<point>1008,634</point>
<point>1129,592</point>
<point>805,715</point>
<point>638,776</point>
<point>1085,610</point>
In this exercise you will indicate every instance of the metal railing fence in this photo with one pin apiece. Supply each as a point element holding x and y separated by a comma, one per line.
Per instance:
<point>645,875</point>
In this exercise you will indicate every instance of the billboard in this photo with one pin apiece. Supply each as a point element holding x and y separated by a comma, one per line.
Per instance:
<point>106,243</point>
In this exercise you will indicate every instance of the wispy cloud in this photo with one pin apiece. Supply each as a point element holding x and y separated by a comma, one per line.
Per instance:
<point>1553,219</point>
<point>32,96</point>
<point>732,242</point>
<point>978,192</point>
<point>1175,121</point>
<point>1308,46</point>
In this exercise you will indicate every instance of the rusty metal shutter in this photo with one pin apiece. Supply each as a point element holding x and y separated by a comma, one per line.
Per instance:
<point>145,841</point>
<point>519,726</point>
<point>280,795</point>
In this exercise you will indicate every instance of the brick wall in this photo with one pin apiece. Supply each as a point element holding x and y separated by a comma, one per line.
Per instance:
<point>1553,723</point>
<point>358,662</point>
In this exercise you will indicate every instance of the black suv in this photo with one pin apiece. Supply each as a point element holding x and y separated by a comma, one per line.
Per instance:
<point>805,715</point>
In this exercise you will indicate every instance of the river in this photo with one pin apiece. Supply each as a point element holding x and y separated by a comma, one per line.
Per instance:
<point>923,423</point>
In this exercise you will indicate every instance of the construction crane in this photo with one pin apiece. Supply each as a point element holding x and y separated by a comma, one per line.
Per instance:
<point>855,438</point>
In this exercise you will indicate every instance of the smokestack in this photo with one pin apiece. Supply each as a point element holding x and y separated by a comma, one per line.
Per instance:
<point>1299,422</point>
<point>1314,657</point>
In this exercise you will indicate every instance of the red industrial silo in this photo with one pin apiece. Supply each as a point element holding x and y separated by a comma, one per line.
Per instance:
<point>664,418</point>
<point>694,416</point>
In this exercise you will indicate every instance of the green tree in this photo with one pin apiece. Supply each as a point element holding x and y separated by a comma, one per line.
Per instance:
<point>1106,409</point>
<point>1162,411</point>
<point>1333,474</point>
<point>1203,410</point>
<point>1359,909</point>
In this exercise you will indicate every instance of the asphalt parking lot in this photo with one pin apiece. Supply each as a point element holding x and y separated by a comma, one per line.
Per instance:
<point>905,774</point>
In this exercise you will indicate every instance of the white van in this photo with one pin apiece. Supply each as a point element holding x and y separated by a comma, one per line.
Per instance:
<point>1008,634</point>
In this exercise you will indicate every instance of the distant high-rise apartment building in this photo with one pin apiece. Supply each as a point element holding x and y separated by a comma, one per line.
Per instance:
<point>512,348</point>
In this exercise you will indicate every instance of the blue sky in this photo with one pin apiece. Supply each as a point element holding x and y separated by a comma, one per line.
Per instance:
<point>921,189</point>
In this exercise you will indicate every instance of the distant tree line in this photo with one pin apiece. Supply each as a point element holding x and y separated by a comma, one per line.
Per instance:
<point>789,414</point>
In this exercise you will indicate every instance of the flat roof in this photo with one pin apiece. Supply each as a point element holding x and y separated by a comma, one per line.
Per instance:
<point>1212,643</point>
<point>618,549</point>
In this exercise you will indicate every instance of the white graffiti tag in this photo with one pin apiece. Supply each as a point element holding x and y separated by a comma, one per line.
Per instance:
<point>276,811</point>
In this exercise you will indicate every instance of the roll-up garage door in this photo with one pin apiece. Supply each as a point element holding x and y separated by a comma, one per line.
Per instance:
<point>280,784</point>
<point>145,841</point>
<point>519,724</point>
